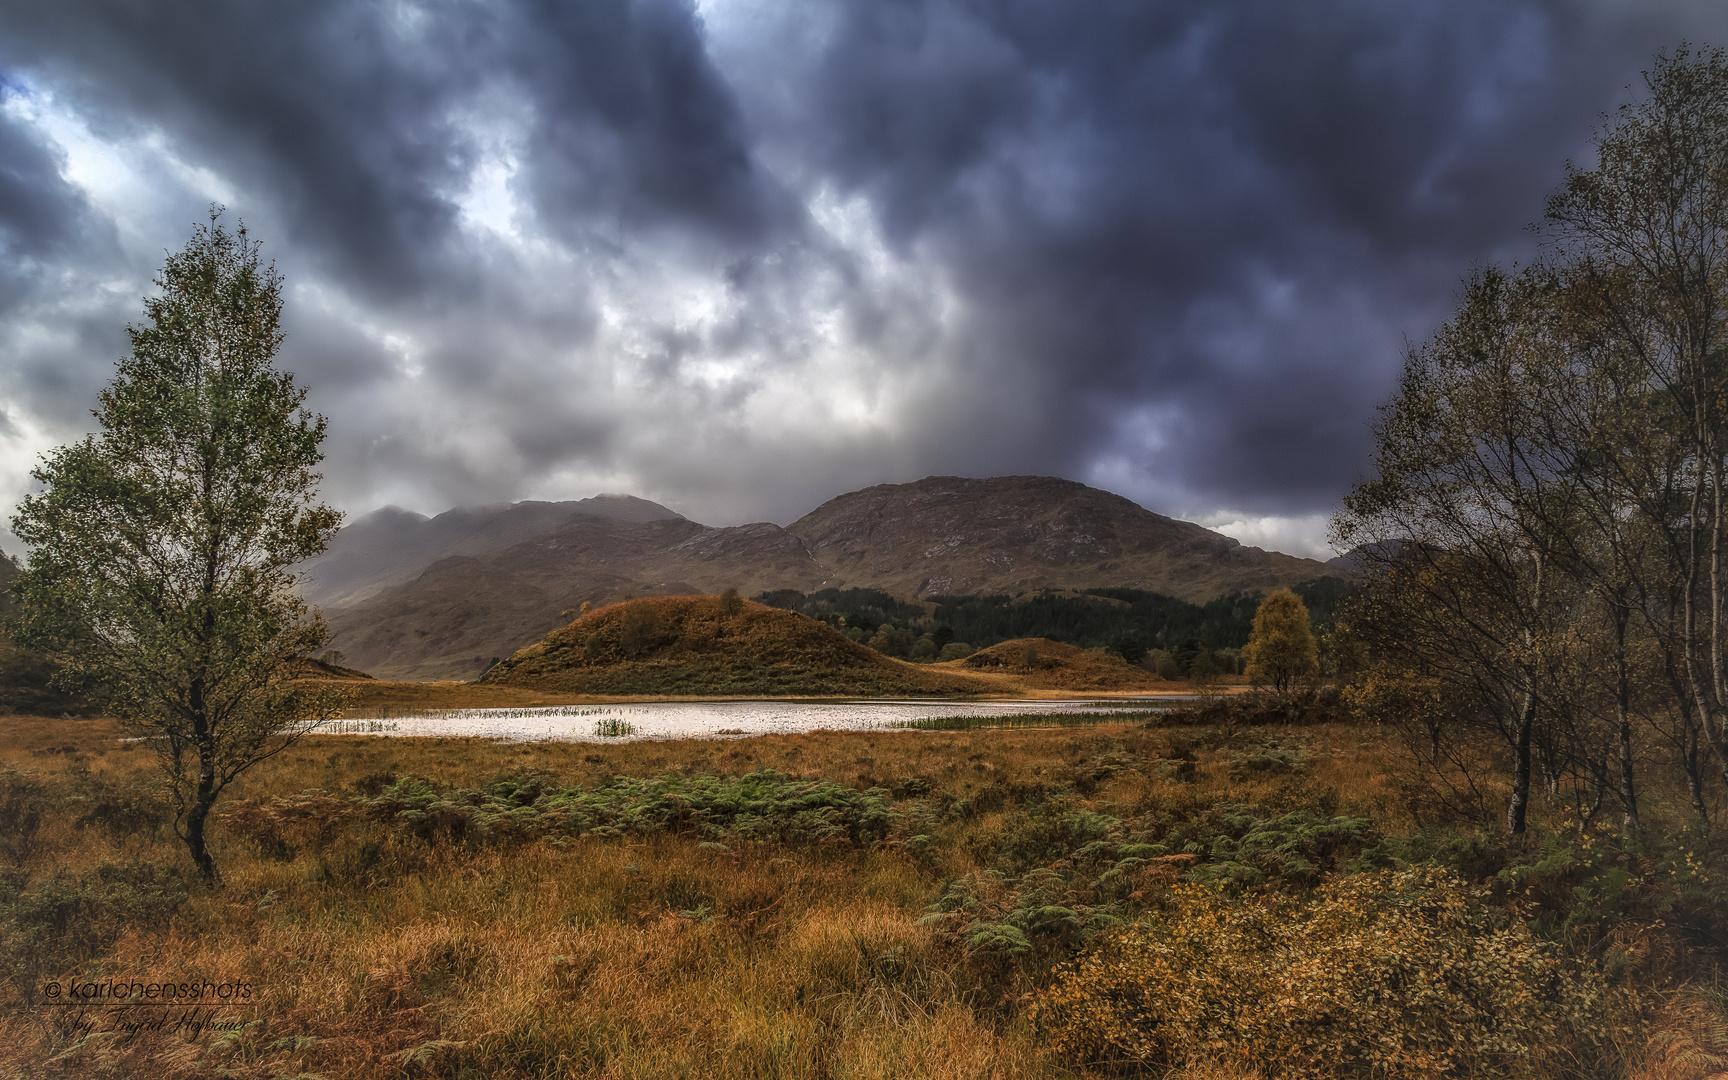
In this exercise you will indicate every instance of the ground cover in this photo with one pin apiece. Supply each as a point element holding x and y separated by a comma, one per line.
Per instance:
<point>981,903</point>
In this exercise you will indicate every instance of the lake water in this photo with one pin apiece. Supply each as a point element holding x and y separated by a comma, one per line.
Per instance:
<point>709,719</point>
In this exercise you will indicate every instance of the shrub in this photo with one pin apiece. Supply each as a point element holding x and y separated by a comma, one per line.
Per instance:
<point>1401,973</point>
<point>955,650</point>
<point>124,810</point>
<point>24,806</point>
<point>764,805</point>
<point>891,640</point>
<point>64,919</point>
<point>640,633</point>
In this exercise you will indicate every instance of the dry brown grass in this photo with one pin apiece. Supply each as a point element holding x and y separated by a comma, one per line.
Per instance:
<point>377,954</point>
<point>1688,1037</point>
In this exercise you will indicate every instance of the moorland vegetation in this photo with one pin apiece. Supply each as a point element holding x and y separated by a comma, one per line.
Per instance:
<point>1200,894</point>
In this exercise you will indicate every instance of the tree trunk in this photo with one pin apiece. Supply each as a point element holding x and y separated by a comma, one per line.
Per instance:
<point>1623,720</point>
<point>1628,790</point>
<point>205,796</point>
<point>194,834</point>
<point>1691,758</point>
<point>1518,809</point>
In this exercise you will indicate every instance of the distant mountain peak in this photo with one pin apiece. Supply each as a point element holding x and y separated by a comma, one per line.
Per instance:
<point>620,507</point>
<point>957,534</point>
<point>417,597</point>
<point>391,546</point>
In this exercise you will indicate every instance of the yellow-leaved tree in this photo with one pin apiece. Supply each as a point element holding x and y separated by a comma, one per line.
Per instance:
<point>1281,650</point>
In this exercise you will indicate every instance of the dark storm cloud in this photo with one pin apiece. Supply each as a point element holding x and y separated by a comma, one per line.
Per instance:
<point>38,215</point>
<point>1122,190</point>
<point>743,257</point>
<point>345,118</point>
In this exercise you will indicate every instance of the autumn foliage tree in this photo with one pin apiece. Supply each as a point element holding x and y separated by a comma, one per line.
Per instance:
<point>1281,651</point>
<point>1545,529</point>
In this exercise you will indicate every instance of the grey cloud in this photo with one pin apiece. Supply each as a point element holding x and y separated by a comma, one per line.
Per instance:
<point>1176,244</point>
<point>39,215</point>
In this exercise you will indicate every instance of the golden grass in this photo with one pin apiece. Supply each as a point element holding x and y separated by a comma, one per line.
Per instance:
<point>379,955</point>
<point>376,954</point>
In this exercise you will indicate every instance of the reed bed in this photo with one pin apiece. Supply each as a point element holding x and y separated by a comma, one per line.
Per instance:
<point>1010,721</point>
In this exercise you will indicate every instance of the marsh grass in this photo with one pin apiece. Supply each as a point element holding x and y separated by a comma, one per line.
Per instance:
<point>832,904</point>
<point>1004,721</point>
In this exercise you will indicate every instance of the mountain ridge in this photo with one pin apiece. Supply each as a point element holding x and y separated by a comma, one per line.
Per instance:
<point>391,545</point>
<point>1026,532</point>
<point>493,585</point>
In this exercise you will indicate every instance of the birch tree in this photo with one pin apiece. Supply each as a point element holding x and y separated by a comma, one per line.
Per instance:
<point>161,546</point>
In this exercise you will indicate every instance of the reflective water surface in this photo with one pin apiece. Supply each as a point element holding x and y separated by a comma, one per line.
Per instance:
<point>709,719</point>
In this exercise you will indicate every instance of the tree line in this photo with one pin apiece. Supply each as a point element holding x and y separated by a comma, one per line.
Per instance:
<point>1132,623</point>
<point>1546,526</point>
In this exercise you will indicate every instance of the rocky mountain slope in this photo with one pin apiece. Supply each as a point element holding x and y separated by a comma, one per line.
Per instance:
<point>463,611</point>
<point>950,535</point>
<point>412,597</point>
<point>393,545</point>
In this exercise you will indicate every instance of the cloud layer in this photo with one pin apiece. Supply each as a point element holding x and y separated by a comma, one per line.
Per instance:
<point>741,256</point>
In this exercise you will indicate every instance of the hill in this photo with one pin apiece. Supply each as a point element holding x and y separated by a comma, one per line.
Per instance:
<point>690,645</point>
<point>309,667</point>
<point>417,598</point>
<point>951,535</point>
<point>1039,664</point>
<point>25,674</point>
<point>25,685</point>
<point>8,570</point>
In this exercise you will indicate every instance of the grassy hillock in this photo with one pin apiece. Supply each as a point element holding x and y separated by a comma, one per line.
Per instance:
<point>1038,664</point>
<point>702,645</point>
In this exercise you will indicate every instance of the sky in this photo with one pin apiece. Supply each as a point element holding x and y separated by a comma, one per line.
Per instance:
<point>740,256</point>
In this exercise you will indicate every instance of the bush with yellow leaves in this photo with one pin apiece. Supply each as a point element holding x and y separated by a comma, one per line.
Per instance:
<point>1404,973</point>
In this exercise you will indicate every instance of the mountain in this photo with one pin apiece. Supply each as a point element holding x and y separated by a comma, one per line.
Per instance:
<point>463,611</point>
<point>1010,534</point>
<point>392,545</point>
<point>413,597</point>
<point>1358,561</point>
